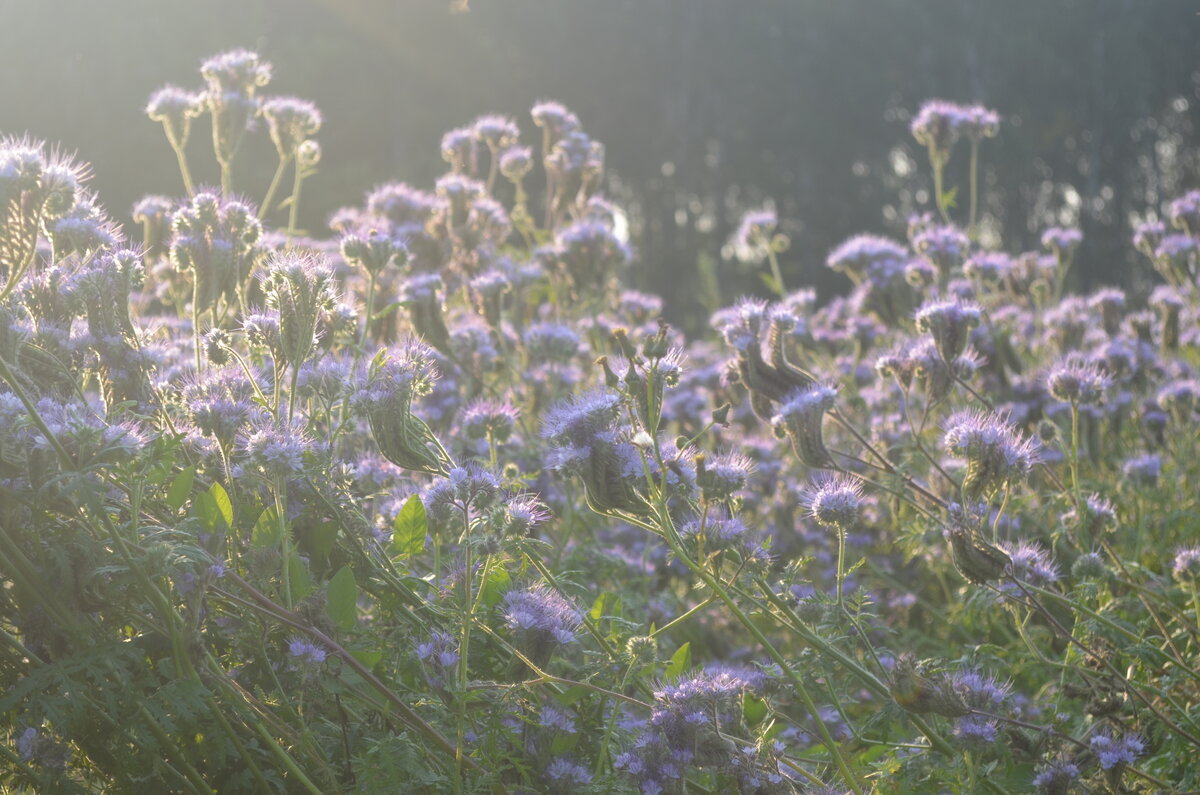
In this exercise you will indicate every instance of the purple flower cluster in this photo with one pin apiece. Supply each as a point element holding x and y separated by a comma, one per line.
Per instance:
<point>541,621</point>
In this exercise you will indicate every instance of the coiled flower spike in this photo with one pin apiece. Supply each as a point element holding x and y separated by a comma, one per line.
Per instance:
<point>394,380</point>
<point>800,418</point>
<point>996,453</point>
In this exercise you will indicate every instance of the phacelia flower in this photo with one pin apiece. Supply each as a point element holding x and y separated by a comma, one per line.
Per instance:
<point>1112,750</point>
<point>489,419</point>
<point>305,653</point>
<point>301,289</point>
<point>1056,778</point>
<point>997,454</point>
<point>835,501</point>
<point>275,449</point>
<point>175,108</point>
<point>950,324</point>
<point>1077,382</point>
<point>863,254</point>
<point>541,621</point>
<point>497,132</point>
<point>800,417</point>
<point>1184,212</point>
<point>979,122</point>
<point>290,122</point>
<point>1143,470</point>
<point>1186,566</point>
<point>1061,241</point>
<point>395,380</point>
<point>566,775</point>
<point>722,476</point>
<point>944,246</point>
<point>751,242</point>
<point>937,126</point>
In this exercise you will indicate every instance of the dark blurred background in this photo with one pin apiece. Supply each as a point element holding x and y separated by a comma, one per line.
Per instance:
<point>707,107</point>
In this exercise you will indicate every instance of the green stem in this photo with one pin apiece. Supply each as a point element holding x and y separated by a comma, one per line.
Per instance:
<point>285,546</point>
<point>366,330</point>
<point>464,644</point>
<point>184,171</point>
<point>974,188</point>
<point>776,273</point>
<point>1075,456</point>
<point>294,203</point>
<point>938,164</point>
<point>196,320</point>
<point>265,207</point>
<point>841,565</point>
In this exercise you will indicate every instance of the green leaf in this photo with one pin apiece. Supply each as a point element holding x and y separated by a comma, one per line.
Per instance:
<point>606,604</point>
<point>950,197</point>
<point>409,529</point>
<point>367,657</point>
<point>301,580</point>
<point>266,533</point>
<point>498,581</point>
<point>316,541</point>
<point>572,695</point>
<point>681,660</point>
<point>180,488</point>
<point>223,504</point>
<point>754,709</point>
<point>768,279</point>
<point>204,508</point>
<point>341,599</point>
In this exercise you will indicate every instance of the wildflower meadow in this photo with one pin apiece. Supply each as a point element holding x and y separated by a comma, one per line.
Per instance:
<point>430,501</point>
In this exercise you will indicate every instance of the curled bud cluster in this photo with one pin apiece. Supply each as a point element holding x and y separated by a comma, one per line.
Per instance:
<point>996,453</point>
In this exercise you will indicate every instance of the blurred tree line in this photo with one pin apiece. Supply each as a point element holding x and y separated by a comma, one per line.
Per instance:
<point>707,107</point>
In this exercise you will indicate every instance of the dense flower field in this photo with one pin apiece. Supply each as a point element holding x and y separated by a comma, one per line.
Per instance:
<point>435,504</point>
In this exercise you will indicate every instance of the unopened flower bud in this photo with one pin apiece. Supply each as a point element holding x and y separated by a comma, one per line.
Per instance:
<point>642,650</point>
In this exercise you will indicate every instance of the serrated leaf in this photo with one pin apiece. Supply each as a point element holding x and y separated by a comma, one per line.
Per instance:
<point>224,505</point>
<point>680,661</point>
<point>341,599</point>
<point>409,529</point>
<point>266,532</point>
<point>950,197</point>
<point>181,488</point>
